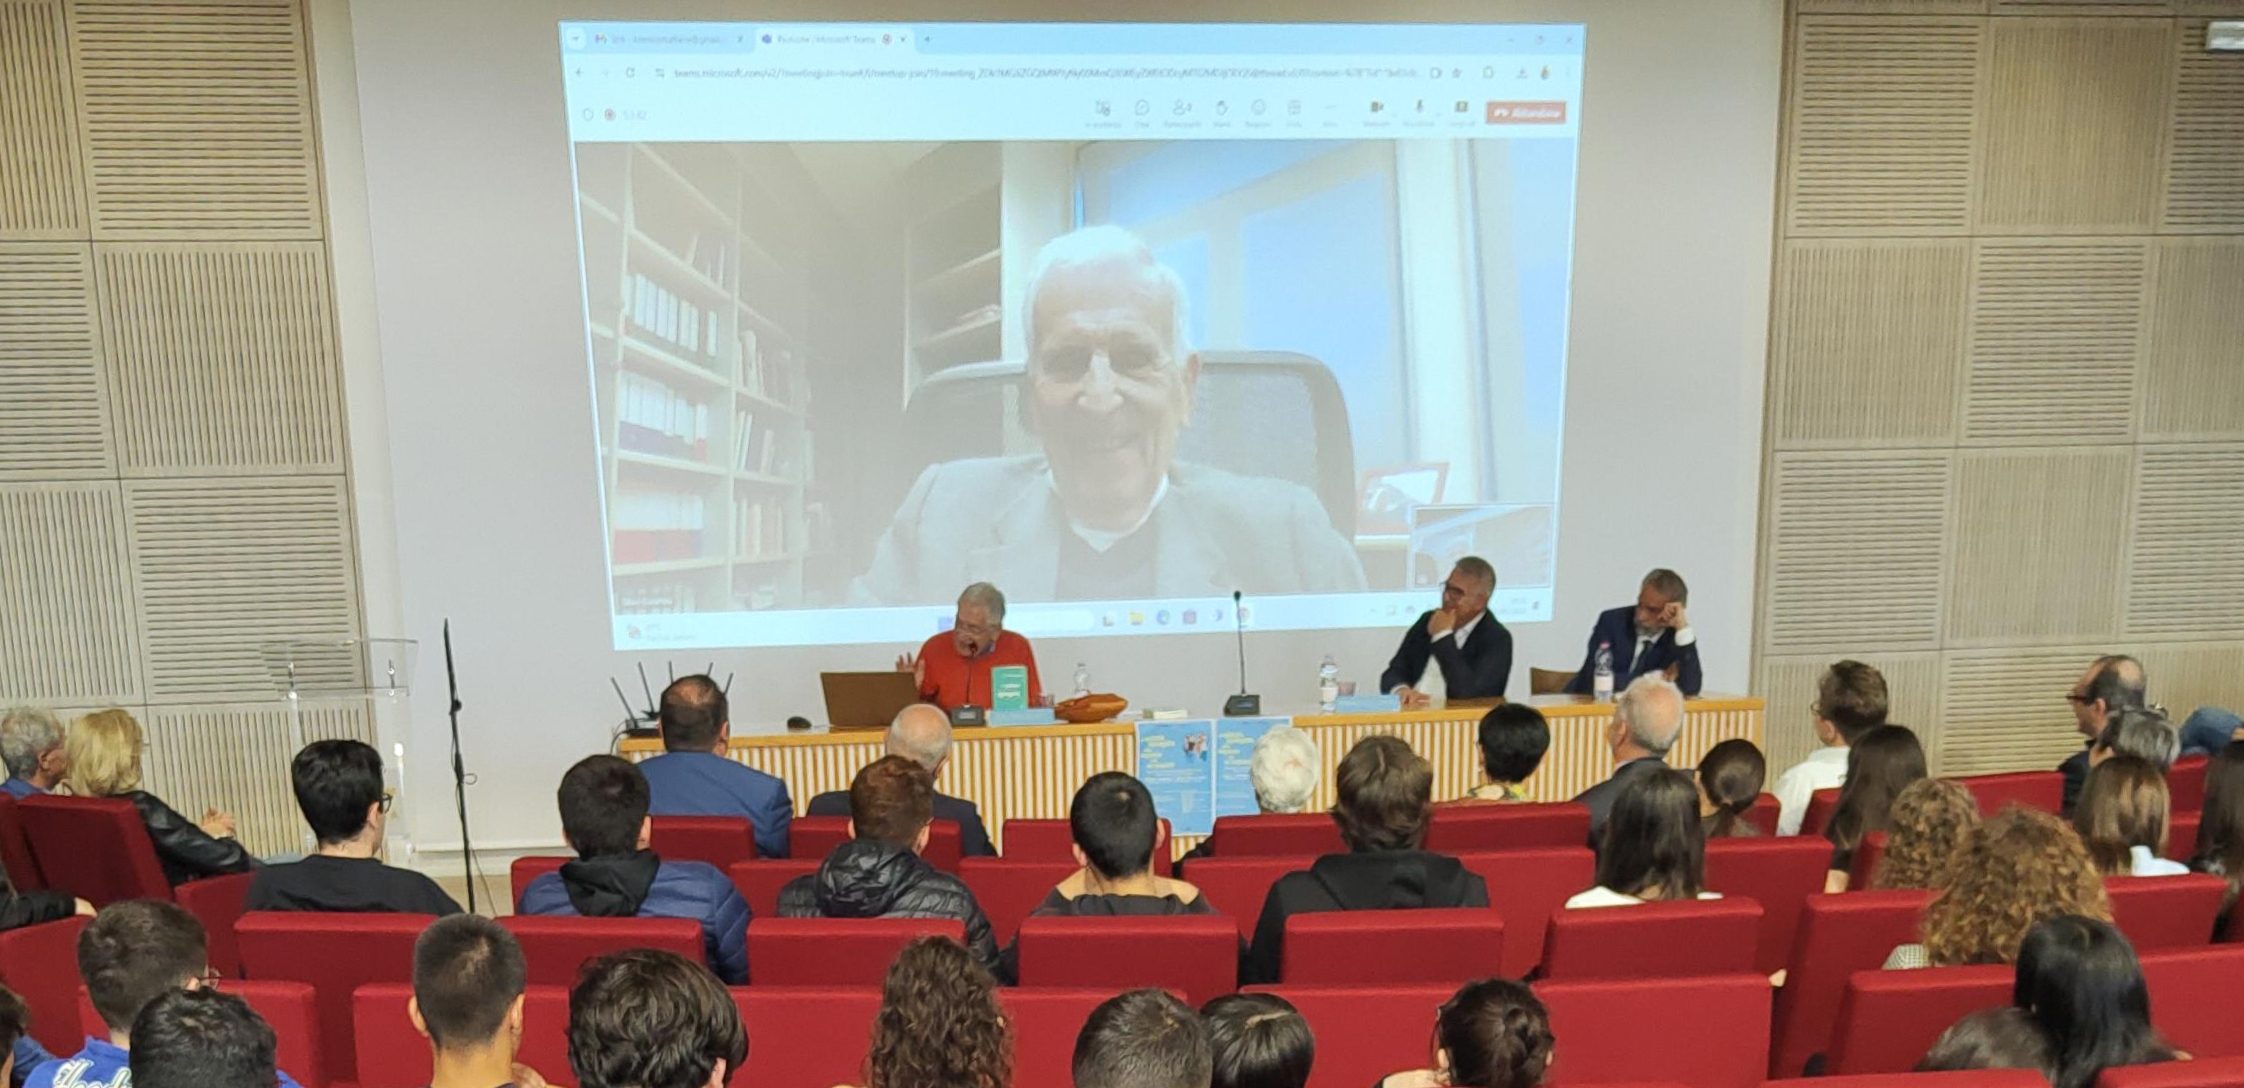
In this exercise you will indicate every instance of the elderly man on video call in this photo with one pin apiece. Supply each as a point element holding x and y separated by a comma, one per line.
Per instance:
<point>1106,511</point>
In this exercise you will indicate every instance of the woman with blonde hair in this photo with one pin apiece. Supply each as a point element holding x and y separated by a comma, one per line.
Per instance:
<point>2020,868</point>
<point>104,749</point>
<point>939,1024</point>
<point>1932,822</point>
<point>2122,816</point>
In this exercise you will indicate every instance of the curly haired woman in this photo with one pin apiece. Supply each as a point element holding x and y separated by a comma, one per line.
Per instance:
<point>1931,824</point>
<point>939,1024</point>
<point>2020,867</point>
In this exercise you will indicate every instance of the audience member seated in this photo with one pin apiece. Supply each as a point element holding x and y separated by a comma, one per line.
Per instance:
<point>1931,823</point>
<point>1493,1033</point>
<point>1850,700</point>
<point>1882,763</point>
<point>695,777</point>
<point>1653,637</point>
<point>1115,830</point>
<point>1283,771</point>
<point>604,816</point>
<point>651,1019</point>
<point>1513,740</point>
<point>939,1023</point>
<point>1654,849</point>
<point>339,790</point>
<point>2079,980</point>
<point>878,873</point>
<point>1142,1039</point>
<point>922,733</point>
<point>1258,1041</point>
<point>1647,719</point>
<point>1999,1038</point>
<point>1385,797</point>
<point>202,1039</point>
<point>2220,831</point>
<point>2145,733</point>
<point>2021,866</point>
<point>104,757</point>
<point>31,743</point>
<point>468,979</point>
<point>2113,682</point>
<point>2122,817</point>
<point>1730,780</point>
<point>2208,729</point>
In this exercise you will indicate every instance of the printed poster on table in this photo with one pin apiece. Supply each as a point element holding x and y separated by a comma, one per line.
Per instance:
<point>1176,761</point>
<point>1234,757</point>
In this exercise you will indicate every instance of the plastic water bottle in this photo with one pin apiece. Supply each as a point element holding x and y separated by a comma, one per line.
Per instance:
<point>1082,679</point>
<point>1602,684</point>
<point>1328,684</point>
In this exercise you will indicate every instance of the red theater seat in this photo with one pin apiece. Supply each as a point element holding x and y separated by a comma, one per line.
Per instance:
<point>1393,947</point>
<point>718,840</point>
<point>95,848</point>
<point>1046,1021</point>
<point>1973,1078</point>
<point>335,954</point>
<point>1867,858</point>
<point>1194,955</point>
<point>556,946</point>
<point>759,882</point>
<point>2181,834</point>
<point>1821,804</point>
<point>1838,935</point>
<point>2166,911</point>
<point>806,1037</point>
<point>1888,1019</point>
<point>1764,813</point>
<point>1054,841</point>
<point>2185,784</point>
<point>2194,998</point>
<point>289,1007</point>
<point>2044,790</point>
<point>1236,886</point>
<point>1526,887</point>
<point>1654,940</point>
<point>2202,1073</point>
<point>1297,834</point>
<point>831,952</point>
<point>811,838</point>
<point>527,869</point>
<point>1457,829</point>
<point>392,1055</point>
<point>1009,888</point>
<point>1709,1032</point>
<point>15,848</point>
<point>1364,1033</point>
<point>40,963</point>
<point>216,902</point>
<point>1778,873</point>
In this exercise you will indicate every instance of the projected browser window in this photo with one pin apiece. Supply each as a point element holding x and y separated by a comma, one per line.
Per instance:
<point>1121,318</point>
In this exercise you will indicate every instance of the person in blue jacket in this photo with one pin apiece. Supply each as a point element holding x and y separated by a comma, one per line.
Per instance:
<point>1652,635</point>
<point>695,777</point>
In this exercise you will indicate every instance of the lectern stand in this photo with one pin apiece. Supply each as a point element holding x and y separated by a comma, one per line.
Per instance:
<point>356,688</point>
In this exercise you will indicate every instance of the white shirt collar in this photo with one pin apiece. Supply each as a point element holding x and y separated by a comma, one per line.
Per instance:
<point>1102,539</point>
<point>1829,755</point>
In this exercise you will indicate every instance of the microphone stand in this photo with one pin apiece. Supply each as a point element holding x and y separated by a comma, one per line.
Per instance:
<point>1241,705</point>
<point>459,768</point>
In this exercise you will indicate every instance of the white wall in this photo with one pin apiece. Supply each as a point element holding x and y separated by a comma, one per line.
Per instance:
<point>471,380</point>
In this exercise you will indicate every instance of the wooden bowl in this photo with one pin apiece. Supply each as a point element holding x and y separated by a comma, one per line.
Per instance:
<point>1096,707</point>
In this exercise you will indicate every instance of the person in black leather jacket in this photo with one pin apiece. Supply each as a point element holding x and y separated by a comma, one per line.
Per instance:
<point>104,749</point>
<point>879,873</point>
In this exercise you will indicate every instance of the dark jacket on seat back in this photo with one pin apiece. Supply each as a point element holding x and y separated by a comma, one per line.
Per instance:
<point>867,878</point>
<point>183,848</point>
<point>1371,880</point>
<point>642,885</point>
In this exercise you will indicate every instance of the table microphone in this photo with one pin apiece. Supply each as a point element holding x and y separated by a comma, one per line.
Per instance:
<point>966,713</point>
<point>1241,705</point>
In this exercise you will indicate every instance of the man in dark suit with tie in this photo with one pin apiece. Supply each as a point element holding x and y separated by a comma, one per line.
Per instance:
<point>1653,636</point>
<point>1473,650</point>
<point>922,733</point>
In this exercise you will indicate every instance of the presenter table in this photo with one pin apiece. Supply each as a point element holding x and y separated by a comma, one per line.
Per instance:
<point>1032,771</point>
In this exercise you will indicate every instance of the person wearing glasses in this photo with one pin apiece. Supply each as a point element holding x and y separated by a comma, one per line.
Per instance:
<point>953,667</point>
<point>1473,649</point>
<point>2113,682</point>
<point>339,788</point>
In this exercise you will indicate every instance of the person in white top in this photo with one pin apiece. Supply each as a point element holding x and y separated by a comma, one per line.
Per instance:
<point>1850,700</point>
<point>2122,818</point>
<point>1654,848</point>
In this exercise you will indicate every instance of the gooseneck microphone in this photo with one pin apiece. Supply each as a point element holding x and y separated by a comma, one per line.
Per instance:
<point>966,713</point>
<point>1241,705</point>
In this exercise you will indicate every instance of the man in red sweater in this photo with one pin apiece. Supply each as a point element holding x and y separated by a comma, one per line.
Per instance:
<point>953,668</point>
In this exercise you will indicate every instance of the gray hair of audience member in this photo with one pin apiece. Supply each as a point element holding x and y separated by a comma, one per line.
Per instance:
<point>1283,769</point>
<point>1651,709</point>
<point>921,733</point>
<point>986,595</point>
<point>1669,585</point>
<point>1100,244</point>
<point>25,732</point>
<point>2119,682</point>
<point>2145,733</point>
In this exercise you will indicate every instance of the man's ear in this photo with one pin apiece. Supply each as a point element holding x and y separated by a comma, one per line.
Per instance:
<point>940,766</point>
<point>1191,383</point>
<point>724,736</point>
<point>514,1015</point>
<point>717,1074</point>
<point>1081,861</point>
<point>413,1013</point>
<point>919,844</point>
<point>646,831</point>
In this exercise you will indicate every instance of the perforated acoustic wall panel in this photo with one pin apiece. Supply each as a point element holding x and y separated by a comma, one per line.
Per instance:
<point>2006,386</point>
<point>40,192</point>
<point>52,420</point>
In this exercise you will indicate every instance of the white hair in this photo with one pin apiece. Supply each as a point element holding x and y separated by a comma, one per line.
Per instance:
<point>25,732</point>
<point>1284,769</point>
<point>1101,244</point>
<point>986,595</point>
<point>1652,711</point>
<point>921,733</point>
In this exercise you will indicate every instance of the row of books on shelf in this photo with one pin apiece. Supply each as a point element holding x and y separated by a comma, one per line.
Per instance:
<point>770,369</point>
<point>762,447</point>
<point>760,529</point>
<point>657,526</point>
<point>712,253</point>
<point>643,598</point>
<point>688,329</point>
<point>651,417</point>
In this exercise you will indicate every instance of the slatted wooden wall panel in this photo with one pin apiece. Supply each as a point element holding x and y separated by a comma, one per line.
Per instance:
<point>2190,366</point>
<point>2205,162</point>
<point>68,631</point>
<point>41,194</point>
<point>1882,127</point>
<point>1856,552</point>
<point>2185,574</point>
<point>235,757</point>
<point>2056,327</point>
<point>1870,343</point>
<point>53,422</point>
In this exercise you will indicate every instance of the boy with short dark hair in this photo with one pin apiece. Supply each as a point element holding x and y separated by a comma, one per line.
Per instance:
<point>339,789</point>
<point>202,1039</point>
<point>468,978</point>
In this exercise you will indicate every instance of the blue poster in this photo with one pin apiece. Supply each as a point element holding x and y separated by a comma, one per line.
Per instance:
<point>1176,763</point>
<point>1234,757</point>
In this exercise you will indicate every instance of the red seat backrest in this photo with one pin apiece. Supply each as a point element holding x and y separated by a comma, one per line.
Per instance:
<point>555,947</point>
<point>1236,886</point>
<point>393,1055</point>
<point>1526,887</point>
<point>1364,1033</point>
<point>2166,911</point>
<point>1009,888</point>
<point>811,838</point>
<point>759,882</point>
<point>2194,998</point>
<point>1888,1019</point>
<point>1969,1078</point>
<point>718,840</point>
<point>1867,858</point>
<point>216,902</point>
<point>1295,834</point>
<point>806,1037</point>
<point>1654,940</point>
<point>291,1008</point>
<point>335,954</point>
<point>1046,1021</point>
<point>1709,1032</point>
<point>15,848</point>
<point>1764,813</point>
<point>1053,840</point>
<point>1821,804</point>
<point>1838,935</point>
<point>1196,955</point>
<point>835,951</point>
<point>2202,1073</point>
<point>528,869</point>
<point>2044,790</point>
<point>1393,947</point>
<point>2185,784</point>
<point>1457,829</point>
<point>1778,873</point>
<point>2181,834</point>
<point>40,963</point>
<point>95,848</point>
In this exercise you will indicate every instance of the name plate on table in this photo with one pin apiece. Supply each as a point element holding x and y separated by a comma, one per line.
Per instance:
<point>1035,715</point>
<point>1009,687</point>
<point>1367,704</point>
